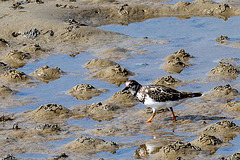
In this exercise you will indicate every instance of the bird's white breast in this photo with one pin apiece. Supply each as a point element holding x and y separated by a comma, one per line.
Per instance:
<point>159,105</point>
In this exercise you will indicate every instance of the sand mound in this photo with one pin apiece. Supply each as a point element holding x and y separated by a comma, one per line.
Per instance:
<point>114,74</point>
<point>47,74</point>
<point>208,143</point>
<point>168,81</point>
<point>177,62</point>
<point>108,71</point>
<point>99,64</point>
<point>50,112</point>
<point>14,76</point>
<point>224,130</point>
<point>5,91</point>
<point>224,70</point>
<point>233,106</point>
<point>4,67</point>
<point>17,59</point>
<point>89,145</point>
<point>125,99</point>
<point>85,91</point>
<point>178,149</point>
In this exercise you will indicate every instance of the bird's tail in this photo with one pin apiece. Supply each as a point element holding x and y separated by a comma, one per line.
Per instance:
<point>192,94</point>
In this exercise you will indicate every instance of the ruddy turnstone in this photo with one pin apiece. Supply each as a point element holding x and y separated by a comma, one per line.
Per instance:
<point>158,96</point>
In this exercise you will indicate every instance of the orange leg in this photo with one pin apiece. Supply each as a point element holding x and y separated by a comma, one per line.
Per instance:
<point>153,115</point>
<point>174,117</point>
<point>150,119</point>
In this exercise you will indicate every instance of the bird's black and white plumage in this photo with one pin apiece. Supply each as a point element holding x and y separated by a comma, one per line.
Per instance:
<point>158,96</point>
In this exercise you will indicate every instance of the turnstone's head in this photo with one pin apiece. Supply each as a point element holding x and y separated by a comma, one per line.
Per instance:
<point>133,86</point>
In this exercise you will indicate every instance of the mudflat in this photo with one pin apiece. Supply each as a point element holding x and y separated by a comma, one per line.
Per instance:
<point>100,121</point>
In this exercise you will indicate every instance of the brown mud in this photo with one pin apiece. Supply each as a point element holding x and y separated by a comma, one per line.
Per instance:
<point>34,30</point>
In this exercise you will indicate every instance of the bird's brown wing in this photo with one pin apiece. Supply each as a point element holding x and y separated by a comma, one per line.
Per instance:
<point>162,93</point>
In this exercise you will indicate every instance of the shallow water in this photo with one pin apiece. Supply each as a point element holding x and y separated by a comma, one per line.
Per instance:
<point>195,35</point>
<point>118,155</point>
<point>32,156</point>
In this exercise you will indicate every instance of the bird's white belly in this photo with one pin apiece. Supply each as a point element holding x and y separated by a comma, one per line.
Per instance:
<point>160,105</point>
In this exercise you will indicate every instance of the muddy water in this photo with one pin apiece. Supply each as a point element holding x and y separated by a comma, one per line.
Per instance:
<point>195,35</point>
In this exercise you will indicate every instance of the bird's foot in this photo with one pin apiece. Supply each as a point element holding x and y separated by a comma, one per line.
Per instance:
<point>148,121</point>
<point>174,119</point>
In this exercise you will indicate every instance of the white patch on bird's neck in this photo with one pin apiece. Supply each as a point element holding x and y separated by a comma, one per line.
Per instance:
<point>132,91</point>
<point>127,83</point>
<point>140,96</point>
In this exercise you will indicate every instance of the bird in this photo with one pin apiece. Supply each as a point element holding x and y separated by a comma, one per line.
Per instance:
<point>158,96</point>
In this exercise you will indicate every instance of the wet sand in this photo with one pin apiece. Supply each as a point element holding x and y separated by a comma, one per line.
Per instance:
<point>32,31</point>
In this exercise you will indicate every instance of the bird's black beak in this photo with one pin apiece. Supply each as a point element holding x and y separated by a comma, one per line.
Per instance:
<point>125,89</point>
